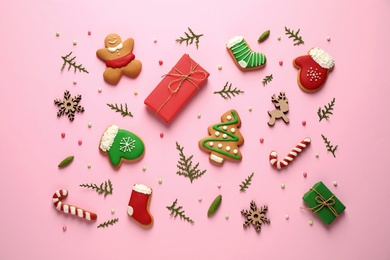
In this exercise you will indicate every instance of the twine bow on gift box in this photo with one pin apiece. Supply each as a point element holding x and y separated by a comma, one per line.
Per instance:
<point>181,79</point>
<point>322,202</point>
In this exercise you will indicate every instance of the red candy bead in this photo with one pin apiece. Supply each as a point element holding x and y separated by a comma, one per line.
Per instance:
<point>162,135</point>
<point>281,63</point>
<point>261,140</point>
<point>80,142</point>
<point>303,123</point>
<point>160,62</point>
<point>305,174</point>
<point>63,135</point>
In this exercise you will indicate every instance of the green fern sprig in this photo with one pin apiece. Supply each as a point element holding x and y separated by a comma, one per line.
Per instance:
<point>245,184</point>
<point>267,79</point>
<point>178,212</point>
<point>330,147</point>
<point>105,187</point>
<point>324,113</point>
<point>227,91</point>
<point>72,63</point>
<point>297,39</point>
<point>189,39</point>
<point>185,166</point>
<point>124,111</point>
<point>107,223</point>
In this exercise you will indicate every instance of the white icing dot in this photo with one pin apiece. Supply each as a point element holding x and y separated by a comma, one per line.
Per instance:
<point>235,151</point>
<point>233,130</point>
<point>211,143</point>
<point>229,117</point>
<point>224,136</point>
<point>219,145</point>
<point>228,148</point>
<point>216,133</point>
<point>224,127</point>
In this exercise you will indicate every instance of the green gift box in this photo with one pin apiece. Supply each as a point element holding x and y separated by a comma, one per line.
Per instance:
<point>323,202</point>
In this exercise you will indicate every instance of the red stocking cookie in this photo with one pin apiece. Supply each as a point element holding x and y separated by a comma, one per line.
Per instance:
<point>138,207</point>
<point>119,59</point>
<point>313,69</point>
<point>70,209</point>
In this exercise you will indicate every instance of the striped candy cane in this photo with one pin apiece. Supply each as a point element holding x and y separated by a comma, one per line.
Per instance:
<point>73,210</point>
<point>273,156</point>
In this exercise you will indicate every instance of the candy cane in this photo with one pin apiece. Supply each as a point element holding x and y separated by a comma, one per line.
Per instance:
<point>73,210</point>
<point>273,156</point>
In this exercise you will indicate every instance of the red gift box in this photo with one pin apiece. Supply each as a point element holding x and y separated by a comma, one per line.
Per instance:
<point>176,88</point>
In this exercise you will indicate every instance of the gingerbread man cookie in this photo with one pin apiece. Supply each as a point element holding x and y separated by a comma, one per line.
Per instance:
<point>119,59</point>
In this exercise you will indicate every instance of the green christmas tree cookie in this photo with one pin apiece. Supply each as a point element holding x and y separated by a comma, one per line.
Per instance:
<point>121,144</point>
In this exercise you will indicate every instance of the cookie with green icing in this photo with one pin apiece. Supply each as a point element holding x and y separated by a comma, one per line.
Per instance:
<point>224,139</point>
<point>120,144</point>
<point>244,57</point>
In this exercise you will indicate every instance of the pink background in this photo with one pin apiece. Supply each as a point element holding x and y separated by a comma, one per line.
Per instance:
<point>31,145</point>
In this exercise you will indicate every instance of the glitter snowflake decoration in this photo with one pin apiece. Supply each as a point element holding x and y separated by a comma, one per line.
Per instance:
<point>69,106</point>
<point>255,216</point>
<point>126,144</point>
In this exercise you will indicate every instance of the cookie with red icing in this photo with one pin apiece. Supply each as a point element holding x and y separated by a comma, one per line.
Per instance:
<point>138,207</point>
<point>119,58</point>
<point>313,69</point>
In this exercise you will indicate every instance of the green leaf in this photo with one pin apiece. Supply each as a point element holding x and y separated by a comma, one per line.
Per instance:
<point>214,205</point>
<point>267,79</point>
<point>107,189</point>
<point>123,110</point>
<point>325,113</point>
<point>107,223</point>
<point>245,184</point>
<point>66,161</point>
<point>178,212</point>
<point>185,166</point>
<point>190,38</point>
<point>71,63</point>
<point>227,91</point>
<point>263,36</point>
<point>330,147</point>
<point>297,39</point>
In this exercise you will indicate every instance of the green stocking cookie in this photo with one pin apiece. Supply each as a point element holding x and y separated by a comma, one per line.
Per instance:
<point>121,144</point>
<point>243,56</point>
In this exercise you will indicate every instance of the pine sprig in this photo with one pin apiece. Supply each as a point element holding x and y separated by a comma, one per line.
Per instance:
<point>245,184</point>
<point>189,39</point>
<point>178,212</point>
<point>72,63</point>
<point>227,91</point>
<point>267,79</point>
<point>124,111</point>
<point>330,147</point>
<point>324,113</point>
<point>105,187</point>
<point>185,166</point>
<point>297,39</point>
<point>107,223</point>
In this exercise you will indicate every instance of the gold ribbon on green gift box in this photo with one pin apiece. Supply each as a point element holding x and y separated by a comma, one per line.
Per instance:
<point>323,202</point>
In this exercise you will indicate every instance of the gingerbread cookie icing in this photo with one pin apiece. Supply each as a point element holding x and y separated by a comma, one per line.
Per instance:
<point>119,59</point>
<point>313,69</point>
<point>224,139</point>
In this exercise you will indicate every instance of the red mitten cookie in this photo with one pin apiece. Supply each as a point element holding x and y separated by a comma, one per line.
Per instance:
<point>313,69</point>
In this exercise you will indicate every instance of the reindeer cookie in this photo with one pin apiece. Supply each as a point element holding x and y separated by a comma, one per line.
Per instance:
<point>119,59</point>
<point>281,105</point>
